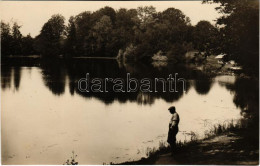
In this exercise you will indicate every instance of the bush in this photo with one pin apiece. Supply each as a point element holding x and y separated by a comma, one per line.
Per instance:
<point>176,53</point>
<point>130,53</point>
<point>159,56</point>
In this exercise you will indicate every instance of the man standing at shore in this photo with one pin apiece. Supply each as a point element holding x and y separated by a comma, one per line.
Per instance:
<point>173,128</point>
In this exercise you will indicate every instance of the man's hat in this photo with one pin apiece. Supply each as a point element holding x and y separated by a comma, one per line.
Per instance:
<point>172,108</point>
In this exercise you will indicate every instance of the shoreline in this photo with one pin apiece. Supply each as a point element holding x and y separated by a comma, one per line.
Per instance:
<point>60,57</point>
<point>221,148</point>
<point>89,57</point>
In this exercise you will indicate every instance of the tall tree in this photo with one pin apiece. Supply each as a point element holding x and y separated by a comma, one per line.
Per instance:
<point>108,11</point>
<point>16,44</point>
<point>48,43</point>
<point>177,24</point>
<point>83,23</point>
<point>102,34</point>
<point>146,15</point>
<point>123,30</point>
<point>205,36</point>
<point>6,39</point>
<point>71,41</point>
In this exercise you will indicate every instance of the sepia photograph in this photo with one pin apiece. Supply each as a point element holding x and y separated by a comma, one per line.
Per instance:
<point>130,82</point>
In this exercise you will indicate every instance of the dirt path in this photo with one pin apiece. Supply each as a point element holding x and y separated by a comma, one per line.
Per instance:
<point>224,149</point>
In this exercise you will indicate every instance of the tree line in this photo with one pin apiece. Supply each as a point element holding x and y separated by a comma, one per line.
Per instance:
<point>12,41</point>
<point>140,33</point>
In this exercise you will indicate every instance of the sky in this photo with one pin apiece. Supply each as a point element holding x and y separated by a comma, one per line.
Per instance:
<point>33,14</point>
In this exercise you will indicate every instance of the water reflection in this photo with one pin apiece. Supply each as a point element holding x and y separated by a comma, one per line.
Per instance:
<point>246,96</point>
<point>6,76</point>
<point>125,123</point>
<point>55,73</point>
<point>203,84</point>
<point>11,70</point>
<point>17,77</point>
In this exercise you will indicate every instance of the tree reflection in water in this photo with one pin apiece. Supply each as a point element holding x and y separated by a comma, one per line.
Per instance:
<point>55,73</point>
<point>246,97</point>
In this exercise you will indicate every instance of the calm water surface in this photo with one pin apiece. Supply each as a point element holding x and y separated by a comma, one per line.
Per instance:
<point>45,117</point>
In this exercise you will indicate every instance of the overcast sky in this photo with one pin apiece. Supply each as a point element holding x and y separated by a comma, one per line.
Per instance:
<point>32,15</point>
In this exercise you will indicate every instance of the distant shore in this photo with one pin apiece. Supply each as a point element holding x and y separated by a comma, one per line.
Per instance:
<point>89,57</point>
<point>39,56</point>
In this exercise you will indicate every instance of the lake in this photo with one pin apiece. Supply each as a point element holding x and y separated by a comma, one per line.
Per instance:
<point>45,117</point>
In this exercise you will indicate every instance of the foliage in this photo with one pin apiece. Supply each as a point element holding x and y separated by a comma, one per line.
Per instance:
<point>16,44</point>
<point>205,36</point>
<point>176,53</point>
<point>48,42</point>
<point>159,56</point>
<point>142,32</point>
<point>70,44</point>
<point>240,31</point>
<point>12,41</point>
<point>130,53</point>
<point>102,31</point>
<point>27,45</point>
<point>6,39</point>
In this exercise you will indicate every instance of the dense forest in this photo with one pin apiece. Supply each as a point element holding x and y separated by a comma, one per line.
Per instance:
<point>139,34</point>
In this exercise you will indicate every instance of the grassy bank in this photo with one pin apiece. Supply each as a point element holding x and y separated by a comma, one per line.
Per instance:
<point>224,144</point>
